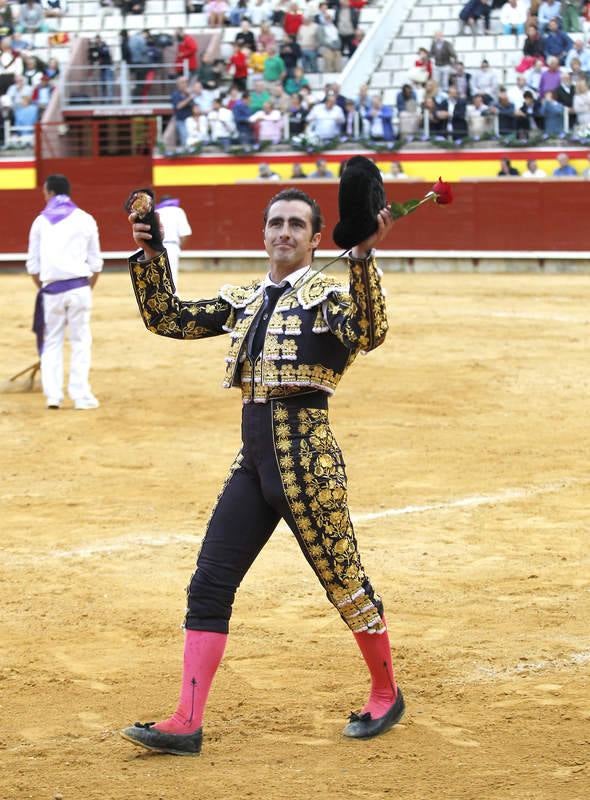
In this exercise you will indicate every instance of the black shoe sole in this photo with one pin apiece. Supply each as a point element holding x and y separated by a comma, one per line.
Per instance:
<point>164,750</point>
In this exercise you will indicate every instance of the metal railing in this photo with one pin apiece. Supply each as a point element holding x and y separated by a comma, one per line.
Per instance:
<point>96,138</point>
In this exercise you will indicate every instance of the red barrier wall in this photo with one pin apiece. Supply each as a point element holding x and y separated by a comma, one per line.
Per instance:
<point>495,215</point>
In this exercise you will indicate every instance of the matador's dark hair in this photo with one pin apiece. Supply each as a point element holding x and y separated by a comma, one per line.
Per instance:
<point>317,221</point>
<point>58,184</point>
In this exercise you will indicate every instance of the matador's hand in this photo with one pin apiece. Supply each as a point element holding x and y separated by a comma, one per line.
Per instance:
<point>385,223</point>
<point>142,235</point>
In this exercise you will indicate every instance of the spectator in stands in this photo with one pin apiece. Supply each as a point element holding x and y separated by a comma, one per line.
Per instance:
<point>565,169</point>
<point>297,115</point>
<point>422,69</point>
<point>570,16</point>
<point>454,110</point>
<point>321,169</point>
<point>532,170</point>
<point>396,172</point>
<point>506,169</point>
<point>478,117</point>
<point>133,6</point>
<point>279,97</point>
<point>534,75</point>
<point>6,19</point>
<point>54,8</point>
<point>238,65</point>
<point>533,48</point>
<point>379,121</point>
<point>203,96</point>
<point>290,52</point>
<point>576,72</point>
<point>513,17</point>
<point>553,122</point>
<point>362,101</point>
<point>580,52</point>
<point>505,112</point>
<point>25,116</point>
<point>259,95</point>
<point>242,112</point>
<point>326,120</point>
<point>436,121</point>
<point>516,92</point>
<point>19,89</point>
<point>485,82</point>
<point>237,13</point>
<point>42,93</point>
<point>52,68</point>
<point>139,53</point>
<point>186,53</point>
<point>32,71</point>
<point>99,55</point>
<point>351,127</point>
<point>444,57</point>
<point>473,11</point>
<point>245,36</point>
<point>582,107</point>
<point>275,70</point>
<point>210,72</point>
<point>222,127</point>
<point>266,37</point>
<point>329,43</point>
<point>357,38</point>
<point>295,83</point>
<point>406,99</point>
<point>297,174</point>
<point>182,105</point>
<point>586,173</point>
<point>257,60</point>
<point>551,77</point>
<point>265,173</point>
<point>292,20</point>
<point>31,18</point>
<point>346,21</point>
<point>11,64</point>
<point>548,10</point>
<point>565,95</point>
<point>197,128</point>
<point>260,11</point>
<point>308,39</point>
<point>270,124</point>
<point>462,81</point>
<point>529,116</point>
<point>556,42</point>
<point>216,11</point>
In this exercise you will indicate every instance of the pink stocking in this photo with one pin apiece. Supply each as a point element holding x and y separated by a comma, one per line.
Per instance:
<point>203,652</point>
<point>377,654</point>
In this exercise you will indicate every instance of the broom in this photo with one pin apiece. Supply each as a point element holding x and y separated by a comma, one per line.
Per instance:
<point>23,381</point>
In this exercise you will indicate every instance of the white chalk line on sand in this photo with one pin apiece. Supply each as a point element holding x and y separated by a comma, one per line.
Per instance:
<point>490,674</point>
<point>138,542</point>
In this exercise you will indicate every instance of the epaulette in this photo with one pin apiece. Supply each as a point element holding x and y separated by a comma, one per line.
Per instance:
<point>240,296</point>
<point>318,288</point>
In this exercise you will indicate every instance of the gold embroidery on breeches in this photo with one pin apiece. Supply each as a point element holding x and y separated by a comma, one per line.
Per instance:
<point>314,482</point>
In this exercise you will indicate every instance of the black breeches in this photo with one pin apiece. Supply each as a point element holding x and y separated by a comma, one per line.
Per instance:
<point>289,467</point>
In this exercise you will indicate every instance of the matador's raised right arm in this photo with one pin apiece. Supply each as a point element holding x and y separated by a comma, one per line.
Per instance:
<point>163,313</point>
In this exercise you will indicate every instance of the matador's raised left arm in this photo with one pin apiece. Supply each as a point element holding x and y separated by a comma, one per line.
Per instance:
<point>359,318</point>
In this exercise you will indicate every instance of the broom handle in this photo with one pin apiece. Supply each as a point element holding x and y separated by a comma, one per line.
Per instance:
<point>33,368</point>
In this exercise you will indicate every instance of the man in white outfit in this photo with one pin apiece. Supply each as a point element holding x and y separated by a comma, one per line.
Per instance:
<point>176,230</point>
<point>64,261</point>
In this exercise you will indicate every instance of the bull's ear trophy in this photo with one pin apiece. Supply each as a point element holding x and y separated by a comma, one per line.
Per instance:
<point>361,195</point>
<point>141,202</point>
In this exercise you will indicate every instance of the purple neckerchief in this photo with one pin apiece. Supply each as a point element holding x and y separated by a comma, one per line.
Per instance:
<point>58,207</point>
<point>173,201</point>
<point>57,287</point>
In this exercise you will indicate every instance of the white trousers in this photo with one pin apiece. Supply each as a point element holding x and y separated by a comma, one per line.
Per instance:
<point>173,251</point>
<point>71,309</point>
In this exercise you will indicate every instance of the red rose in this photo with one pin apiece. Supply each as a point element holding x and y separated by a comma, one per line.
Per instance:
<point>443,192</point>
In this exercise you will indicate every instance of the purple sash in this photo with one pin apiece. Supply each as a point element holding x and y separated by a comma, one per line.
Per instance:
<point>57,287</point>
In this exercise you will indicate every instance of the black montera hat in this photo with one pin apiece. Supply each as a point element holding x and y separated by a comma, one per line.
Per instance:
<point>360,198</point>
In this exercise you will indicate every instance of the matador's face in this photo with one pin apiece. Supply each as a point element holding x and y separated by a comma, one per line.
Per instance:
<point>288,236</point>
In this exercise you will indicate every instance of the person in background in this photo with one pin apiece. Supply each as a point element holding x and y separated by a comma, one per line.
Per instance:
<point>565,169</point>
<point>507,170</point>
<point>532,170</point>
<point>177,229</point>
<point>64,262</point>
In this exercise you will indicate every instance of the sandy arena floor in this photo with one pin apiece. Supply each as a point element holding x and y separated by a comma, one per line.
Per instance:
<point>467,441</point>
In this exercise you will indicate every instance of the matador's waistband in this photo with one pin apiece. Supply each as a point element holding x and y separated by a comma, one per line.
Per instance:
<point>314,398</point>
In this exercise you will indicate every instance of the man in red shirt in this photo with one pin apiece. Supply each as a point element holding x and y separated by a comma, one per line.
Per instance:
<point>187,51</point>
<point>293,20</point>
<point>238,66</point>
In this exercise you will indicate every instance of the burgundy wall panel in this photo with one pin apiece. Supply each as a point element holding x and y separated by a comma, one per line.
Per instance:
<point>494,215</point>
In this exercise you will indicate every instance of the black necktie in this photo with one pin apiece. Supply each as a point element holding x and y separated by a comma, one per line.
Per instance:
<point>271,296</point>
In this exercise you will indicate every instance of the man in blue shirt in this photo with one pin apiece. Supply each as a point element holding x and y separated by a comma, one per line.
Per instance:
<point>565,169</point>
<point>556,42</point>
